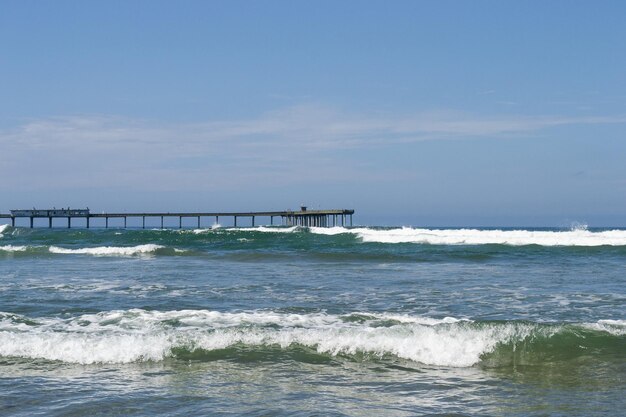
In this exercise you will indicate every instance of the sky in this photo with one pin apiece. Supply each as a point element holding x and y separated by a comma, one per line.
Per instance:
<point>415,113</point>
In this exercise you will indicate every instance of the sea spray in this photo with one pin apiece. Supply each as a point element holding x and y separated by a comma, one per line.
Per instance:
<point>3,228</point>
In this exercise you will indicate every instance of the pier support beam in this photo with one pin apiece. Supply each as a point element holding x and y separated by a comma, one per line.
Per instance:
<point>125,222</point>
<point>69,222</point>
<point>31,222</point>
<point>252,221</point>
<point>180,222</point>
<point>86,218</point>
<point>161,222</point>
<point>198,222</point>
<point>143,222</point>
<point>50,222</point>
<point>106,222</point>
<point>235,221</point>
<point>217,220</point>
<point>12,221</point>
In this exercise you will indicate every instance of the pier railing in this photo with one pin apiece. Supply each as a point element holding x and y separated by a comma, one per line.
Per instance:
<point>302,217</point>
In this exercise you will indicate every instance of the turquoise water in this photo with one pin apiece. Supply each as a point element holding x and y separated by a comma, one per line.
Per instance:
<point>299,321</point>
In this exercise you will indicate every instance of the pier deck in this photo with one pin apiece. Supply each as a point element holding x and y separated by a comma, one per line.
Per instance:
<point>302,217</point>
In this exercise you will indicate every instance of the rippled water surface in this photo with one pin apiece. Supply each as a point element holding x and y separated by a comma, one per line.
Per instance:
<point>362,321</point>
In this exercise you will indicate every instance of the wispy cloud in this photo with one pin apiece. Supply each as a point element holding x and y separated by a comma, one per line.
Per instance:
<point>314,126</point>
<point>289,142</point>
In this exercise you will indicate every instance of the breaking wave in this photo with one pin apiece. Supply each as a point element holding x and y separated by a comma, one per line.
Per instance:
<point>574,237</point>
<point>110,250</point>
<point>125,336</point>
<point>14,248</point>
<point>262,229</point>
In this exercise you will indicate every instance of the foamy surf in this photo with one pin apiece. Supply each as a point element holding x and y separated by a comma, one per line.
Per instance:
<point>266,229</point>
<point>614,327</point>
<point>12,248</point>
<point>213,228</point>
<point>124,336</point>
<point>576,237</point>
<point>109,250</point>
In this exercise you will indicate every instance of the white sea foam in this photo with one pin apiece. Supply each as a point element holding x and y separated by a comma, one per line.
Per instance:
<point>331,231</point>
<point>12,248</point>
<point>3,227</point>
<point>267,229</point>
<point>139,335</point>
<point>215,226</point>
<point>614,327</point>
<point>575,237</point>
<point>109,250</point>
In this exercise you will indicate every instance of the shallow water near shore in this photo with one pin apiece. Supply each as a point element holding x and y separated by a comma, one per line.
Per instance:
<point>302,321</point>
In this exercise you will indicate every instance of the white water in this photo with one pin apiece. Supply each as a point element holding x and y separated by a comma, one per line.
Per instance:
<point>12,248</point>
<point>216,226</point>
<point>139,335</point>
<point>614,327</point>
<point>576,237</point>
<point>109,250</point>
<point>267,229</point>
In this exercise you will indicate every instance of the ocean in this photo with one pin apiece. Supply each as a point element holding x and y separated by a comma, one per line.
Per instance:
<point>312,321</point>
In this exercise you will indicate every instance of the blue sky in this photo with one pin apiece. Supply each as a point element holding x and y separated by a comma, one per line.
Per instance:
<point>413,113</point>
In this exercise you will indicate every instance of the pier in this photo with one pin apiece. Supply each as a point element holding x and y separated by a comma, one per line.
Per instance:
<point>302,217</point>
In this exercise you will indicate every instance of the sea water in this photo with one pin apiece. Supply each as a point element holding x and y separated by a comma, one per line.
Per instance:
<point>312,321</point>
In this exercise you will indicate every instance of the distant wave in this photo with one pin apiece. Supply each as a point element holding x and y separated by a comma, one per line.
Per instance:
<point>270,229</point>
<point>138,335</point>
<point>576,237</point>
<point>216,226</point>
<point>109,250</point>
<point>263,229</point>
<point>12,248</point>
<point>615,327</point>
<point>147,249</point>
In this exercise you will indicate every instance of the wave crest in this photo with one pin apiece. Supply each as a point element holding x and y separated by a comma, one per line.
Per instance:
<point>109,250</point>
<point>138,335</point>
<point>14,248</point>
<point>574,237</point>
<point>3,227</point>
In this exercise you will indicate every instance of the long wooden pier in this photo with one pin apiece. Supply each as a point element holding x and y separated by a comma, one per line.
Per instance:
<point>302,217</point>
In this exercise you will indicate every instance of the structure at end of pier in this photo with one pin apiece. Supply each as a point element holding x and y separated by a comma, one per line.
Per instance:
<point>302,217</point>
